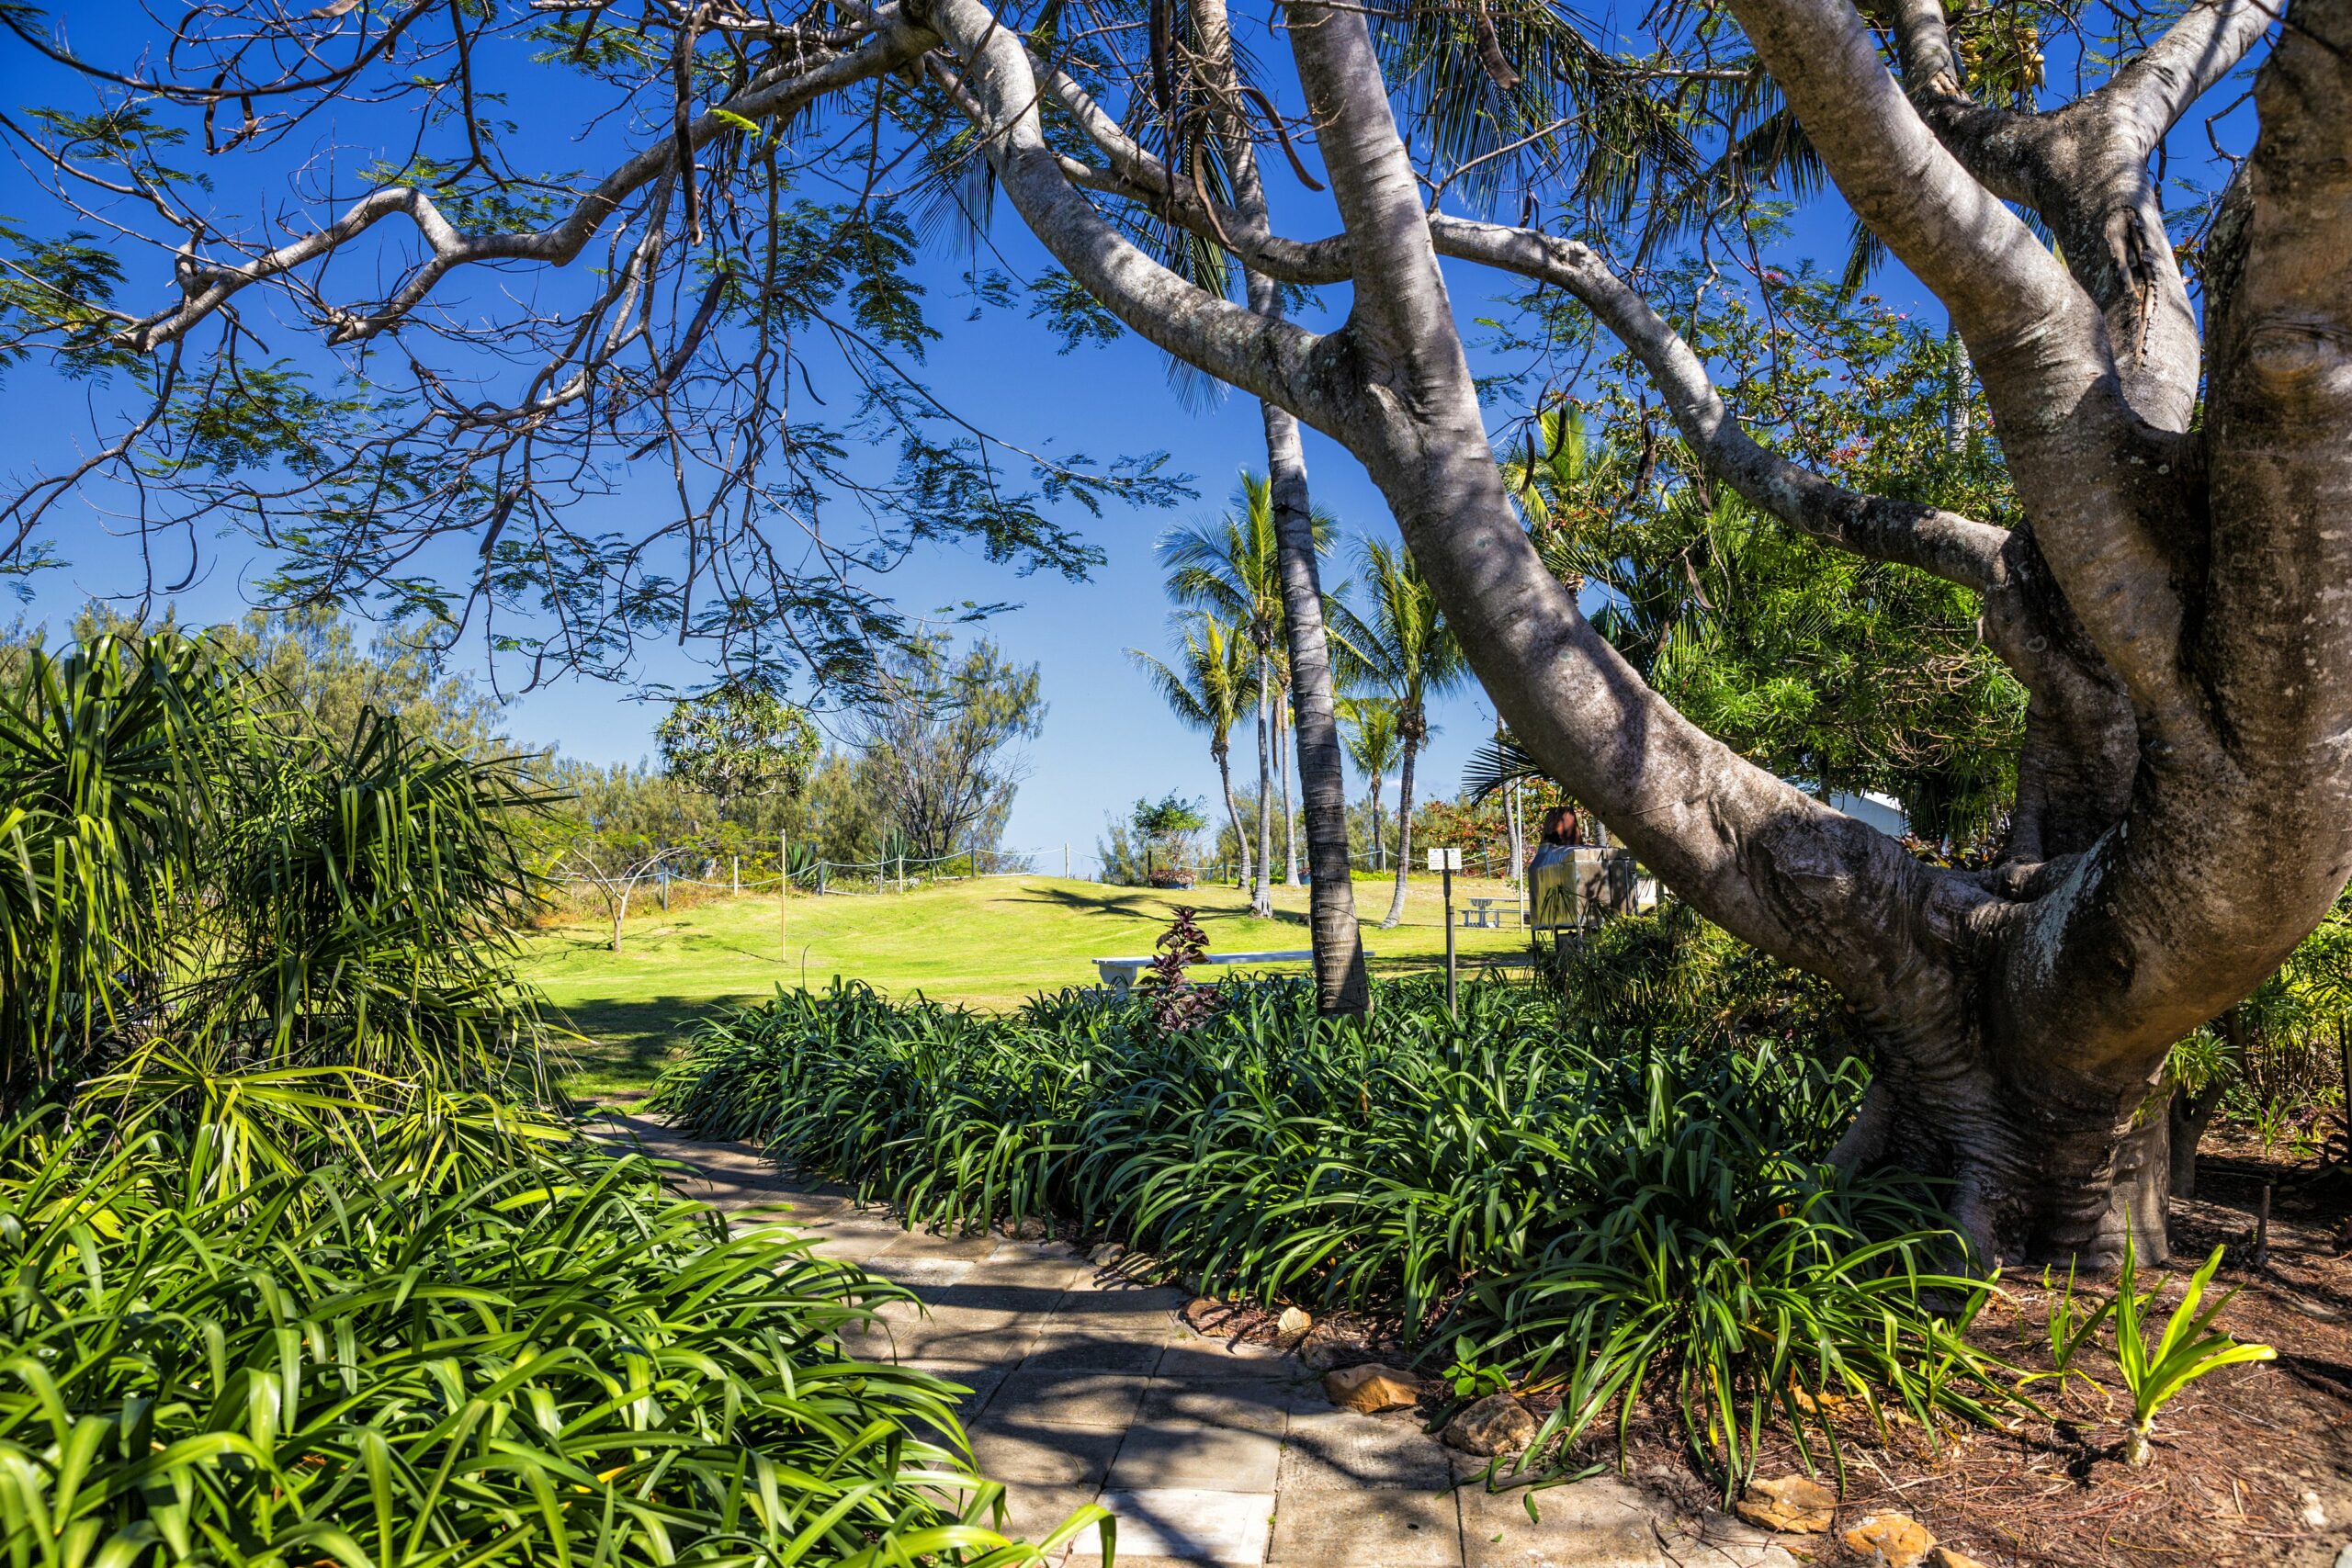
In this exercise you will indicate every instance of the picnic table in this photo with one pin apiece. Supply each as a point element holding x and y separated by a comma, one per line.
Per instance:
<point>1119,973</point>
<point>1487,913</point>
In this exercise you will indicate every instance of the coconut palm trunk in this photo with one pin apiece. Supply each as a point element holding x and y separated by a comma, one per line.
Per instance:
<point>1340,984</point>
<point>1262,895</point>
<point>1233,809</point>
<point>1290,814</point>
<point>1404,829</point>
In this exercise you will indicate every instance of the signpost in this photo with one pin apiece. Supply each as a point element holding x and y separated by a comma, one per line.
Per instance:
<point>1449,861</point>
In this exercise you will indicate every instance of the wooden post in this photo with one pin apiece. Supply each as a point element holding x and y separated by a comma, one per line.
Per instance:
<point>1065,878</point>
<point>902,873</point>
<point>784,895</point>
<point>2262,1230</point>
<point>735,873</point>
<point>2344,1058</point>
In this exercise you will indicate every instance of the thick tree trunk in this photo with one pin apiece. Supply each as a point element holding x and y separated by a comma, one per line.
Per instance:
<point>2187,1116</point>
<point>1404,836</point>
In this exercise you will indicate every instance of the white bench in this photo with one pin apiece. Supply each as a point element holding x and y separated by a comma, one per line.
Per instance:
<point>1119,973</point>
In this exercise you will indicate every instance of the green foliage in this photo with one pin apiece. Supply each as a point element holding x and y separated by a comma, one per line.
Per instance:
<point>294,1271</point>
<point>533,1357</point>
<point>2069,1326</point>
<point>1850,674</point>
<point>739,741</point>
<point>1671,970</point>
<point>192,872</point>
<point>2154,1369</point>
<point>1557,1207</point>
<point>939,741</point>
<point>1168,820</point>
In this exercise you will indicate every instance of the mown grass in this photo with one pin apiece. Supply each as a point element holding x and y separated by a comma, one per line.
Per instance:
<point>989,944</point>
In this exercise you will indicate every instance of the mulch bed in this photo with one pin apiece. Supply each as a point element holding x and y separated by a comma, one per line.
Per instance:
<point>2253,1464</point>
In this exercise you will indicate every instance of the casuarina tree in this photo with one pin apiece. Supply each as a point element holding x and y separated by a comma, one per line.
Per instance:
<point>2171,591</point>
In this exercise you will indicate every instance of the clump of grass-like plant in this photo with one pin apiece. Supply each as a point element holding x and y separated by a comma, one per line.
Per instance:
<point>1597,1213</point>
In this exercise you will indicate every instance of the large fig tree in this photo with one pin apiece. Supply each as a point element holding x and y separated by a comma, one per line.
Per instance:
<point>2175,599</point>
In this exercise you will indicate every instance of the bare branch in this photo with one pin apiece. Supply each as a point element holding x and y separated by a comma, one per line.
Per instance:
<point>895,44</point>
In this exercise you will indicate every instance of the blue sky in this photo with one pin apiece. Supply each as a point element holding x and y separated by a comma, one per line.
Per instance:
<point>1106,739</point>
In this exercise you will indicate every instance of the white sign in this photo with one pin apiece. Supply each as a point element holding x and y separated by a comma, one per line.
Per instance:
<point>1445,860</point>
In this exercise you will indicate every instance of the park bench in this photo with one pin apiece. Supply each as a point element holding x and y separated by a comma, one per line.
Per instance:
<point>1119,973</point>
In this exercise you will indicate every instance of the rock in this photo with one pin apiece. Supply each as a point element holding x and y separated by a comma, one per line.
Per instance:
<point>2314,1511</point>
<point>1030,1227</point>
<point>1371,1388</point>
<point>1496,1424</point>
<point>1791,1505</point>
<point>1896,1540</point>
<point>1945,1557</point>
<point>1293,1324</point>
<point>1329,1344</point>
<point>1105,1255</point>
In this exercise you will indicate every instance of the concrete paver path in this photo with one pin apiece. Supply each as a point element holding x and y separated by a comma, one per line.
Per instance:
<point>1088,1387</point>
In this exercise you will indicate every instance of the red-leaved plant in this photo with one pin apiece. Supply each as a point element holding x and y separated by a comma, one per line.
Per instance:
<point>1177,1004</point>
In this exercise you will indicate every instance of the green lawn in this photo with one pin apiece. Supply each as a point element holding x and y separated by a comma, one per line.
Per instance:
<point>987,944</point>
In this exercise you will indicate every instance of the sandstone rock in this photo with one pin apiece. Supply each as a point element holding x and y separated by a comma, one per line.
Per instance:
<point>1028,1228</point>
<point>1292,1324</point>
<point>1105,1255</point>
<point>1791,1505</point>
<point>1897,1540</point>
<point>1371,1388</point>
<point>1496,1424</point>
<point>1945,1557</point>
<point>1329,1344</point>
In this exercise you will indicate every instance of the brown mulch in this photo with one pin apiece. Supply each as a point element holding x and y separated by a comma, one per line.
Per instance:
<point>2253,1464</point>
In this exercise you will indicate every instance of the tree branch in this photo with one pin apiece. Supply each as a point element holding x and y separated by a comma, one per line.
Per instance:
<point>1956,548</point>
<point>895,44</point>
<point>1236,345</point>
<point>2103,478</point>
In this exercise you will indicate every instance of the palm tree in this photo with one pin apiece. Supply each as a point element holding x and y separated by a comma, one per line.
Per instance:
<point>1368,728</point>
<point>1231,568</point>
<point>1208,688</point>
<point>1401,645</point>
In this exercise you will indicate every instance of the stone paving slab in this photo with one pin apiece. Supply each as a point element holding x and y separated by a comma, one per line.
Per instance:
<point>1187,1455</point>
<point>1188,1524</point>
<point>1394,1528</point>
<point>1086,1387</point>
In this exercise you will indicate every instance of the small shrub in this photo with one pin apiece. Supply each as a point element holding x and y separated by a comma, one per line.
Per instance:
<point>2155,1370</point>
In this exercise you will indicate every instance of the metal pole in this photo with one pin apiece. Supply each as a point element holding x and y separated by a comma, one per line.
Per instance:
<point>1449,934</point>
<point>783,896</point>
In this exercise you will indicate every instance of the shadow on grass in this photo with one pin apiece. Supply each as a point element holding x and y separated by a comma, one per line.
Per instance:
<point>1145,905</point>
<point>624,1043</point>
